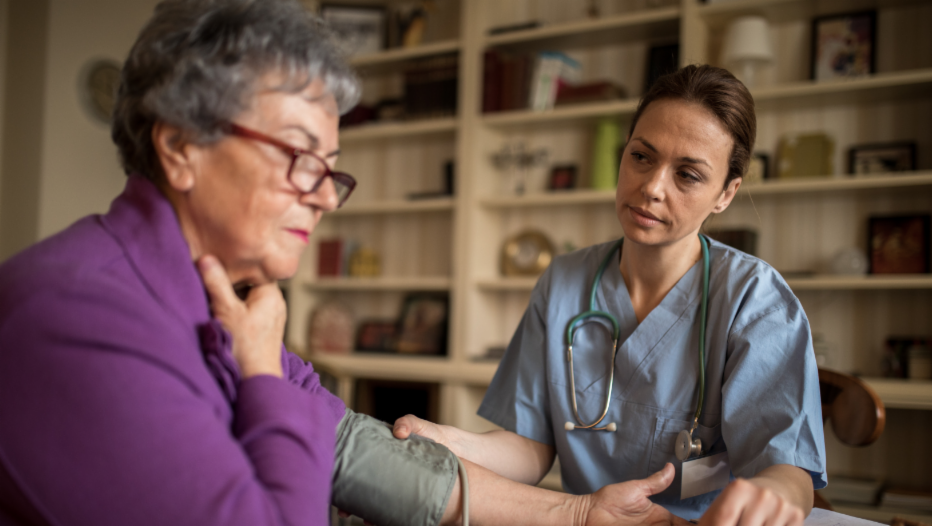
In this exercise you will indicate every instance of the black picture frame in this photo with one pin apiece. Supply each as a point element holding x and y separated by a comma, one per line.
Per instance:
<point>898,244</point>
<point>358,29</point>
<point>562,177</point>
<point>844,45</point>
<point>423,325</point>
<point>661,59</point>
<point>886,157</point>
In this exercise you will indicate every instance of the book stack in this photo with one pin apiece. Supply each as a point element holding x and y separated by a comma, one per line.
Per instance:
<point>516,81</point>
<point>908,499</point>
<point>430,87</point>
<point>333,257</point>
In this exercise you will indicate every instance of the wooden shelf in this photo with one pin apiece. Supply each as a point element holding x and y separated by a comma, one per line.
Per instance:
<point>827,282</point>
<point>380,284</point>
<point>507,284</point>
<point>576,112</point>
<point>780,10</point>
<point>880,86</point>
<point>440,204</point>
<point>408,368</point>
<point>388,130</point>
<point>881,514</point>
<point>839,183</point>
<point>392,57</point>
<point>640,25</point>
<point>773,187</point>
<point>903,394</point>
<point>879,282</point>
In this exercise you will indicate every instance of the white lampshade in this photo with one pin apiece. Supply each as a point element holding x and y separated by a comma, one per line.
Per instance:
<point>747,45</point>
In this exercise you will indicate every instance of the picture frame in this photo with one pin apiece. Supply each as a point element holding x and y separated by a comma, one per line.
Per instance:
<point>758,169</point>
<point>865,159</point>
<point>844,45</point>
<point>357,29</point>
<point>898,244</point>
<point>376,336</point>
<point>422,327</point>
<point>562,177</point>
<point>661,59</point>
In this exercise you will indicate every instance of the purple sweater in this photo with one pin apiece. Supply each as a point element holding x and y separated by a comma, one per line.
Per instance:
<point>120,402</point>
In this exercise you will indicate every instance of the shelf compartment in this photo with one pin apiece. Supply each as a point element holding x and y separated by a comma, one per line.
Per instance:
<point>392,57</point>
<point>903,394</point>
<point>641,25</point>
<point>881,86</point>
<point>381,284</point>
<point>441,204</point>
<point>387,130</point>
<point>827,282</point>
<point>408,368</point>
<point>575,112</point>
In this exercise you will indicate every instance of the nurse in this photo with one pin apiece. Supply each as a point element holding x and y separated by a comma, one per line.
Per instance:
<point>759,421</point>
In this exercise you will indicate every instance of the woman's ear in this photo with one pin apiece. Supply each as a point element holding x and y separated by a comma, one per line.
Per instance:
<point>727,195</point>
<point>176,155</point>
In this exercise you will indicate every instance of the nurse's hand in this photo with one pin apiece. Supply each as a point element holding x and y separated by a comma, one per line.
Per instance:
<point>628,502</point>
<point>748,504</point>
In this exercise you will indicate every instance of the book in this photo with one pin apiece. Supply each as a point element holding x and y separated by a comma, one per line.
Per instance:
<point>330,257</point>
<point>602,90</point>
<point>551,69</point>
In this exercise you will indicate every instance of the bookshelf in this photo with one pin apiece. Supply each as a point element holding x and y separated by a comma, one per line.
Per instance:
<point>452,244</point>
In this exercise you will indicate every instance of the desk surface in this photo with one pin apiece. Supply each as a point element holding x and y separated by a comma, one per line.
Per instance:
<point>820,517</point>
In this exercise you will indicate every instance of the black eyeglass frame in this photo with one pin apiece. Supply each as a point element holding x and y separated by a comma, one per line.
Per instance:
<point>342,178</point>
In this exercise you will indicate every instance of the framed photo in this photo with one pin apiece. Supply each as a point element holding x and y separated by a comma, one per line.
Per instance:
<point>758,169</point>
<point>422,328</point>
<point>358,29</point>
<point>661,60</point>
<point>844,45</point>
<point>376,336</point>
<point>898,244</point>
<point>562,177</point>
<point>882,158</point>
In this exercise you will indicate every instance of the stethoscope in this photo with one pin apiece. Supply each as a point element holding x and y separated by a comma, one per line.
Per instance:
<point>686,446</point>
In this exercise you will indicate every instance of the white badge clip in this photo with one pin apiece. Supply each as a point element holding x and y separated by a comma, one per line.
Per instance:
<point>705,474</point>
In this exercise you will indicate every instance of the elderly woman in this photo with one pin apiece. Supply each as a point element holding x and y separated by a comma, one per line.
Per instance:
<point>129,396</point>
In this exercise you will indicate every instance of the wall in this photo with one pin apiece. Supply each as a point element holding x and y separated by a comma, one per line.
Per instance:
<point>80,173</point>
<point>4,30</point>
<point>24,84</point>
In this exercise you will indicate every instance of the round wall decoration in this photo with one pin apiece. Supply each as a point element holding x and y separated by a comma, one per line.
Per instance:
<point>100,79</point>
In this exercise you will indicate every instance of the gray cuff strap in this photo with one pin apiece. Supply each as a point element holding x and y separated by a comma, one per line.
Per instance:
<point>388,481</point>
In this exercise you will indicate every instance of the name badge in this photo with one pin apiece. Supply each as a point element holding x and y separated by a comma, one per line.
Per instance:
<point>705,474</point>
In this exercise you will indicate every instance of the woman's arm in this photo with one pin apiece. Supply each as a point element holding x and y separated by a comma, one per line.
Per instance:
<point>496,500</point>
<point>505,453</point>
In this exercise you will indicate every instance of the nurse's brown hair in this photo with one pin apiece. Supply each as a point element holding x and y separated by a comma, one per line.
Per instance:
<point>718,91</point>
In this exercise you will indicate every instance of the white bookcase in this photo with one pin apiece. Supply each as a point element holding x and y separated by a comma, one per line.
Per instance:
<point>453,244</point>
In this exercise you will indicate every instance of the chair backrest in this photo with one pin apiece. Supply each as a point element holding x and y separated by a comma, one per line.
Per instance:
<point>856,412</point>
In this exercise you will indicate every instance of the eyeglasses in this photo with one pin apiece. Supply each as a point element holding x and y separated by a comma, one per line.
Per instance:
<point>307,170</point>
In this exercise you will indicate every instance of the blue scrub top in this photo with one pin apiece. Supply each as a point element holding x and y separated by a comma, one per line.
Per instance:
<point>762,389</point>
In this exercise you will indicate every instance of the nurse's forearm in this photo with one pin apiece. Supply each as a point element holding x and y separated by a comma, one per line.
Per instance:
<point>790,482</point>
<point>497,500</point>
<point>507,454</point>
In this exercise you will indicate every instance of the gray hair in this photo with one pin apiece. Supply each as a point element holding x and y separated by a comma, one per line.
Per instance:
<point>197,64</point>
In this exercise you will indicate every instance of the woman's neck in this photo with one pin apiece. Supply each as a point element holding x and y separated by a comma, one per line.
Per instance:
<point>650,272</point>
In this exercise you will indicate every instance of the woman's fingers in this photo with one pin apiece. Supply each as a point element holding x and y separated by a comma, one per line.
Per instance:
<point>217,283</point>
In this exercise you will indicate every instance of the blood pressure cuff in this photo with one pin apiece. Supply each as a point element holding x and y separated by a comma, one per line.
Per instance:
<point>388,481</point>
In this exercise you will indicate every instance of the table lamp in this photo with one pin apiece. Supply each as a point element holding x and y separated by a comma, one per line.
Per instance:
<point>747,47</point>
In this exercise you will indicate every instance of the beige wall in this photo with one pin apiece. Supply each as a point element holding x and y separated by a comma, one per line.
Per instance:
<point>80,173</point>
<point>4,30</point>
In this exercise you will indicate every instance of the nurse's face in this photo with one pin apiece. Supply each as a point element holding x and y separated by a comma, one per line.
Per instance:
<point>673,172</point>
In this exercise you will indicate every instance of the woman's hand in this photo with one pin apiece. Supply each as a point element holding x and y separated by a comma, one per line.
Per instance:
<point>257,324</point>
<point>749,504</point>
<point>628,502</point>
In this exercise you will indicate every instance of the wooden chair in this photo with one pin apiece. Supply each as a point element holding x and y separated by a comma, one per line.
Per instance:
<point>857,413</point>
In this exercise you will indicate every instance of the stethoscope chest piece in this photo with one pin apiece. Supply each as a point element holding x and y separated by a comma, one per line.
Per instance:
<point>687,446</point>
